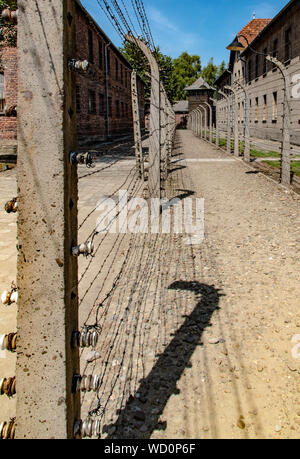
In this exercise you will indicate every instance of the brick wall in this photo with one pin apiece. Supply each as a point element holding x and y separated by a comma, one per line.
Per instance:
<point>95,98</point>
<point>92,99</point>
<point>8,125</point>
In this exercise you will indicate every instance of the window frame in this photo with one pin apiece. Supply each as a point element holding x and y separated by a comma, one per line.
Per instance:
<point>2,85</point>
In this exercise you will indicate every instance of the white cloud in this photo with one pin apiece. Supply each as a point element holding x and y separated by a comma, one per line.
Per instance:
<point>171,38</point>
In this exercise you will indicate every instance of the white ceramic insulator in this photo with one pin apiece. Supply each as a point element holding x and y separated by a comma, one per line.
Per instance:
<point>14,297</point>
<point>4,297</point>
<point>2,339</point>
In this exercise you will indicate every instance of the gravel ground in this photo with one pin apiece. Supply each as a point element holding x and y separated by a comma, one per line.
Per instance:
<point>196,340</point>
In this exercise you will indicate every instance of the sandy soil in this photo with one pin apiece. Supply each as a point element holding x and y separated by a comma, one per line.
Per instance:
<point>196,340</point>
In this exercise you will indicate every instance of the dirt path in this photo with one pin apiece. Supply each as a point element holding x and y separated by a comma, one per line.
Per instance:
<point>195,341</point>
<point>161,376</point>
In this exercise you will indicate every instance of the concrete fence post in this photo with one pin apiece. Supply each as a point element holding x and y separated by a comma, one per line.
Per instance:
<point>155,127</point>
<point>247,123</point>
<point>163,135</point>
<point>137,126</point>
<point>204,118</point>
<point>210,120</point>
<point>47,222</point>
<point>236,121</point>
<point>215,102</point>
<point>197,122</point>
<point>228,146</point>
<point>286,124</point>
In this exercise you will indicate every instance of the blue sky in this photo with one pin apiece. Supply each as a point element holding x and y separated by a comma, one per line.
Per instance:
<point>203,27</point>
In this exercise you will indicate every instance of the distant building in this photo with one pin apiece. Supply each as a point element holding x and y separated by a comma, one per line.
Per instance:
<point>181,109</point>
<point>278,37</point>
<point>103,95</point>
<point>199,93</point>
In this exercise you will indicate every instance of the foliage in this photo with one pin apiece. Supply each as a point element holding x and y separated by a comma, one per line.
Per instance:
<point>176,74</point>
<point>12,4</point>
<point>187,69</point>
<point>8,31</point>
<point>209,73</point>
<point>140,63</point>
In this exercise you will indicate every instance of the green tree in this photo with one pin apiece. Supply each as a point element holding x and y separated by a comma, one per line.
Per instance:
<point>187,69</point>
<point>140,63</point>
<point>210,72</point>
<point>13,4</point>
<point>221,69</point>
<point>8,31</point>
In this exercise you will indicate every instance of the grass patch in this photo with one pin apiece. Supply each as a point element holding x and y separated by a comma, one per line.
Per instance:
<point>295,166</point>
<point>264,154</point>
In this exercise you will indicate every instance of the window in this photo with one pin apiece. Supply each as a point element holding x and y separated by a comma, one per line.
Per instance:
<point>274,111</point>
<point>265,62</point>
<point>100,55</point>
<point>91,46</point>
<point>117,109</point>
<point>117,69</point>
<point>256,66</point>
<point>288,44</point>
<point>121,74</point>
<point>256,110</point>
<point>2,93</point>
<point>109,107</point>
<point>250,70</point>
<point>265,109</point>
<point>92,102</point>
<point>78,100</point>
<point>101,104</point>
<point>275,51</point>
<point>250,111</point>
<point>108,62</point>
<point>243,112</point>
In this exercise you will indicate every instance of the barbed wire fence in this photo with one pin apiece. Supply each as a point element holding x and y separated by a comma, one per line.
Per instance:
<point>50,340</point>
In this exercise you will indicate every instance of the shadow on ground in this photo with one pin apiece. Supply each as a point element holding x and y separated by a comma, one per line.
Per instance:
<point>141,415</point>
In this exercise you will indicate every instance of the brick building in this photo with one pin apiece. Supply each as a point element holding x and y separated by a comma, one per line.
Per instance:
<point>278,37</point>
<point>8,94</point>
<point>103,95</point>
<point>181,109</point>
<point>199,93</point>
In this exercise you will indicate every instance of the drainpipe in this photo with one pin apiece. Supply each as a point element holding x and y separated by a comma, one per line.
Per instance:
<point>107,127</point>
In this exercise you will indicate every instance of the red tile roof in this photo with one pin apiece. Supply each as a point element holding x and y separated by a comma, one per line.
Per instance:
<point>252,29</point>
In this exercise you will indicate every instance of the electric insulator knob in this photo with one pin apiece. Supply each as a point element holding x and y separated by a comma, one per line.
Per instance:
<point>86,383</point>
<point>7,430</point>
<point>86,249</point>
<point>7,298</point>
<point>11,206</point>
<point>86,338</point>
<point>81,158</point>
<point>88,428</point>
<point>82,66</point>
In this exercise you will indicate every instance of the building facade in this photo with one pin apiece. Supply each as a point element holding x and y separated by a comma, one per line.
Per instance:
<point>200,93</point>
<point>181,109</point>
<point>103,94</point>
<point>263,104</point>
